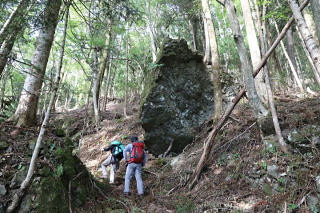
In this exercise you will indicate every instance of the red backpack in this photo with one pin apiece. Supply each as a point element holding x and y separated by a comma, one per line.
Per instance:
<point>137,154</point>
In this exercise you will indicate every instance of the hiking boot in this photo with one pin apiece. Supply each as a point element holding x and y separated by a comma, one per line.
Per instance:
<point>140,196</point>
<point>126,194</point>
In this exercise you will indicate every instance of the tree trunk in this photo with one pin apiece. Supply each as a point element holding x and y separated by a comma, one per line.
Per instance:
<point>293,70</point>
<point>27,108</point>
<point>127,72</point>
<point>207,53</point>
<point>105,58</point>
<point>315,6</point>
<point>290,48</point>
<point>314,69</point>
<point>273,110</point>
<point>246,66</point>
<point>3,89</point>
<point>306,35</point>
<point>311,25</point>
<point>107,83</point>
<point>209,142</point>
<point>17,197</point>
<point>254,49</point>
<point>151,32</point>
<point>194,24</point>
<point>112,81</point>
<point>14,21</point>
<point>216,67</point>
<point>95,97</point>
<point>5,52</point>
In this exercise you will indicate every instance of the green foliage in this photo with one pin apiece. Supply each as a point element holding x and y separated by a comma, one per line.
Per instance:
<point>59,171</point>
<point>292,206</point>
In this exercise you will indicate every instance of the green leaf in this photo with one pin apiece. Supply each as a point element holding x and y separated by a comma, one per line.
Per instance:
<point>60,170</point>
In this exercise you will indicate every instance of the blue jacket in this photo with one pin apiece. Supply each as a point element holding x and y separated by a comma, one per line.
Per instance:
<point>129,149</point>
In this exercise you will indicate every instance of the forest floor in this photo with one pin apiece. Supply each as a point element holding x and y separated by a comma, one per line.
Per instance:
<point>239,176</point>
<point>245,174</point>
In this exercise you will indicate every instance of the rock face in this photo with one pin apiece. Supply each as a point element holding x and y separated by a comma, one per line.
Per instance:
<point>178,98</point>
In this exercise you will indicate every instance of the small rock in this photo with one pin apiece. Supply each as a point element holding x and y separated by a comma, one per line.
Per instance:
<point>3,145</point>
<point>273,171</point>
<point>3,190</point>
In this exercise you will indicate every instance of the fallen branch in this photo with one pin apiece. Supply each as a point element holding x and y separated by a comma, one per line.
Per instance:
<point>210,139</point>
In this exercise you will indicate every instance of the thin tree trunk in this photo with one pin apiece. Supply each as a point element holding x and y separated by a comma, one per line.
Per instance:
<point>27,108</point>
<point>103,65</point>
<point>290,48</point>
<point>112,82</point>
<point>151,32</point>
<point>193,23</point>
<point>5,52</point>
<point>275,119</point>
<point>315,6</point>
<point>18,195</point>
<point>13,21</point>
<point>95,97</point>
<point>293,70</point>
<point>3,89</point>
<point>306,35</point>
<point>127,72</point>
<point>216,67</point>
<point>254,49</point>
<point>207,53</point>
<point>209,142</point>
<point>314,69</point>
<point>311,25</point>
<point>107,83</point>
<point>246,66</point>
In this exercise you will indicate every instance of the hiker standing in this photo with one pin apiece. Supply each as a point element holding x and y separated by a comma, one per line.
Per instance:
<point>136,161</point>
<point>116,149</point>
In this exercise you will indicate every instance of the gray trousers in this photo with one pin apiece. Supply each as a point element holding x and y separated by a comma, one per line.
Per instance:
<point>114,167</point>
<point>134,169</point>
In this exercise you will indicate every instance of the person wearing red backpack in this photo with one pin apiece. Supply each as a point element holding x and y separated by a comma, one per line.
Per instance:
<point>136,161</point>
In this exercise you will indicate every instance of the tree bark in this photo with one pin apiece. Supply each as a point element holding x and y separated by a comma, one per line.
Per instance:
<point>216,67</point>
<point>13,21</point>
<point>315,6</point>
<point>209,142</point>
<point>127,72</point>
<point>293,70</point>
<point>290,48</point>
<point>5,52</point>
<point>306,35</point>
<point>246,66</point>
<point>194,24</point>
<point>17,197</point>
<point>95,97</point>
<point>254,49</point>
<point>310,24</point>
<point>151,32</point>
<point>273,110</point>
<point>99,77</point>
<point>27,108</point>
<point>314,69</point>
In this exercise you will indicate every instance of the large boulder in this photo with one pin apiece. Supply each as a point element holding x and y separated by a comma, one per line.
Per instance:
<point>178,98</point>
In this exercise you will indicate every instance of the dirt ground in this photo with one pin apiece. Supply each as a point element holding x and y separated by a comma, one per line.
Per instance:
<point>234,180</point>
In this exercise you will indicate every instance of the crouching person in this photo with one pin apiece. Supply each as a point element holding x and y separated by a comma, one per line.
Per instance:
<point>135,163</point>
<point>116,149</point>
